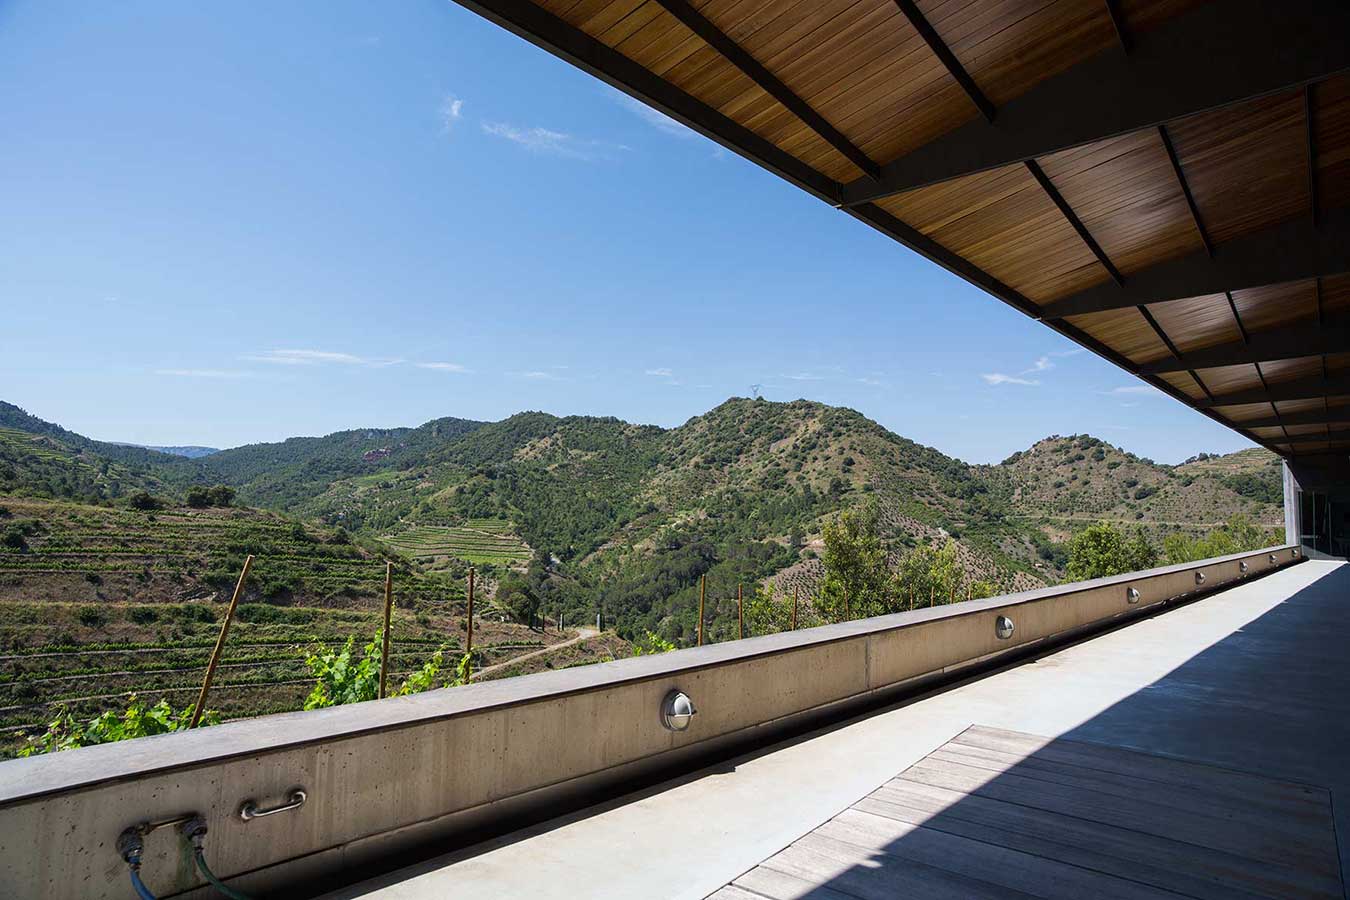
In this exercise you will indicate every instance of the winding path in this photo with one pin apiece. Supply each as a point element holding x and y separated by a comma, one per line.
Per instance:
<point>582,634</point>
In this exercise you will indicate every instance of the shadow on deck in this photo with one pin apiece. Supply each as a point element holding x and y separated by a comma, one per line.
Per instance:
<point>1214,781</point>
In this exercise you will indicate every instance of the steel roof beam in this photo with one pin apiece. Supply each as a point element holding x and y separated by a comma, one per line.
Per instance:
<point>1214,56</point>
<point>1293,251</point>
<point>1288,342</point>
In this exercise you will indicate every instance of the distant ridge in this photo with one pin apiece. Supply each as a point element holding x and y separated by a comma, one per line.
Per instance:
<point>190,451</point>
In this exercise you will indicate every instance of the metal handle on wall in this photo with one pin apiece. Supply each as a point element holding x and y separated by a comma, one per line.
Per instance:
<point>249,808</point>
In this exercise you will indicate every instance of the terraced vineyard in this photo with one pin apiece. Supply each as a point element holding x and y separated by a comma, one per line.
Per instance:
<point>98,603</point>
<point>479,541</point>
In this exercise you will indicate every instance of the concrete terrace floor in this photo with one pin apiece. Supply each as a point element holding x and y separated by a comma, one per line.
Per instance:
<point>1256,678</point>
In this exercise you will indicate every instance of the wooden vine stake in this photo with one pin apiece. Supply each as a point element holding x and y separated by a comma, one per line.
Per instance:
<point>740,615</point>
<point>468,645</point>
<point>794,609</point>
<point>388,608</point>
<point>702,593</point>
<point>220,644</point>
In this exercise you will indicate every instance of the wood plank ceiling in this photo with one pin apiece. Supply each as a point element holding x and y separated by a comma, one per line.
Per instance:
<point>1165,182</point>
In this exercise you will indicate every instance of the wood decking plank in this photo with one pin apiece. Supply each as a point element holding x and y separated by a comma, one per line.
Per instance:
<point>870,876</point>
<point>1197,871</point>
<point>1037,875</point>
<point>1139,815</point>
<point>995,813</point>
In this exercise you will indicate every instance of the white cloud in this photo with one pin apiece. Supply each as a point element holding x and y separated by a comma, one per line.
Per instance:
<point>537,376</point>
<point>203,373</point>
<point>1040,365</point>
<point>660,373</point>
<point>872,382</point>
<point>318,357</point>
<point>1130,389</point>
<point>442,366</point>
<point>803,376</point>
<point>451,108</point>
<point>658,120</point>
<point>553,143</point>
<point>1000,378</point>
<point>1074,352</point>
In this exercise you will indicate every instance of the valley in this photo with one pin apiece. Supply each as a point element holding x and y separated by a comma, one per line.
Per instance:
<point>114,576</point>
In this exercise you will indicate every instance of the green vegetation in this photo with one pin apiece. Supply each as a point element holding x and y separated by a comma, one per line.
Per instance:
<point>480,541</point>
<point>65,732</point>
<point>564,518</point>
<point>1102,549</point>
<point>341,677</point>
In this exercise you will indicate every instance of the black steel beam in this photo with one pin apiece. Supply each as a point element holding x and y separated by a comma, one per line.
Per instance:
<point>1309,116</point>
<point>947,58</point>
<point>1296,389</point>
<point>1072,218</point>
<point>1118,23</point>
<point>1211,57</point>
<point>1288,342</point>
<point>755,70</point>
<point>1333,416</point>
<point>1185,189</point>
<point>1293,251</point>
<point>1314,438</point>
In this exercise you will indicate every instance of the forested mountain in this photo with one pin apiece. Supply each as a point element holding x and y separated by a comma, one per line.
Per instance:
<point>626,518</point>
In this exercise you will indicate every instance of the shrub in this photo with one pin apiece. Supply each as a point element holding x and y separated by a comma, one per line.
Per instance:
<point>143,615</point>
<point>145,501</point>
<point>137,720</point>
<point>92,616</point>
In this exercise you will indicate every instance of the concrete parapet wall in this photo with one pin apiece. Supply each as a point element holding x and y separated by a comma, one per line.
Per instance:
<point>389,774</point>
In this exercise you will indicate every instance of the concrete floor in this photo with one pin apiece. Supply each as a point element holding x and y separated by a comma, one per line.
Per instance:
<point>1256,678</point>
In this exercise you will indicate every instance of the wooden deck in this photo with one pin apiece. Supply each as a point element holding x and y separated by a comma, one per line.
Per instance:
<point>996,813</point>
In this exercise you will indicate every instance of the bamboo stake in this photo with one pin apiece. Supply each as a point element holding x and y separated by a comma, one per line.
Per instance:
<point>220,644</point>
<point>740,615</point>
<point>702,592</point>
<point>468,644</point>
<point>794,609</point>
<point>388,607</point>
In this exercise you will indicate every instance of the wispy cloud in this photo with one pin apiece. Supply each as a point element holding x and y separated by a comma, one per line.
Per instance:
<point>872,382</point>
<point>317,358</point>
<point>1074,352</point>
<point>537,376</point>
<point>1040,365</point>
<point>660,373</point>
<point>658,120</point>
<point>1000,378</point>
<point>203,373</point>
<point>441,366</point>
<point>451,108</point>
<point>1133,389</point>
<point>803,376</point>
<point>553,143</point>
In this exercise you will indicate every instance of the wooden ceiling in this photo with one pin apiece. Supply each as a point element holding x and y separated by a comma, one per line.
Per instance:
<point>1165,182</point>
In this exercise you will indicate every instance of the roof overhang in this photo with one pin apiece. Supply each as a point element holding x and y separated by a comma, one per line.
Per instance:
<point>1164,182</point>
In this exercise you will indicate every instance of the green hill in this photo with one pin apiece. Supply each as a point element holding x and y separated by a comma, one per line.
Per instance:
<point>624,519</point>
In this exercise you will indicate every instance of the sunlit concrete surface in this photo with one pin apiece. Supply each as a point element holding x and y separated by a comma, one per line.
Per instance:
<point>1256,678</point>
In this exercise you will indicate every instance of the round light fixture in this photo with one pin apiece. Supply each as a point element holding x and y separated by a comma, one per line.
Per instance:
<point>677,710</point>
<point>1132,595</point>
<point>1003,627</point>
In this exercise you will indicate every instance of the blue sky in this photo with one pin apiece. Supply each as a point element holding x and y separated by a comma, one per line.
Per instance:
<point>226,223</point>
